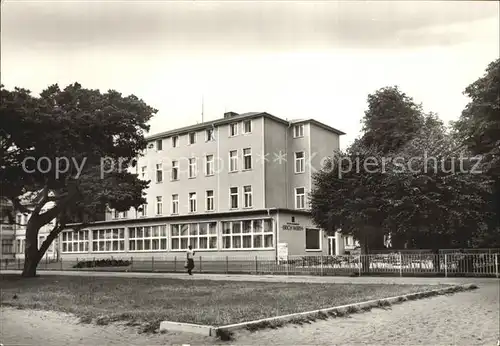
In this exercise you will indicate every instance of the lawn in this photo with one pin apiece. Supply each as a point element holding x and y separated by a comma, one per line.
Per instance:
<point>148,301</point>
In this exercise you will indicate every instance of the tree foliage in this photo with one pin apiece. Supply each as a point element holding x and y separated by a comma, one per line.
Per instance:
<point>55,148</point>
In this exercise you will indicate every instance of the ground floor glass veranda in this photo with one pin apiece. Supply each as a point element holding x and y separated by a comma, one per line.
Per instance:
<point>265,233</point>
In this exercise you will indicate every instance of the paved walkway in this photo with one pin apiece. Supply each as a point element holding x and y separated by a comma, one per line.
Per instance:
<point>274,278</point>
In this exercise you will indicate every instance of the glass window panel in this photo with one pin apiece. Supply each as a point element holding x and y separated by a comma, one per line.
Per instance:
<point>194,242</point>
<point>213,243</point>
<point>122,245</point>
<point>213,228</point>
<point>65,236</point>
<point>237,242</point>
<point>226,242</point>
<point>193,229</point>
<point>65,247</point>
<point>268,240</point>
<point>80,235</point>
<point>184,229</point>
<point>156,244</point>
<point>70,247</point>
<point>175,230</point>
<point>95,246</point>
<point>247,241</point>
<point>147,244</point>
<point>139,232</point>
<point>203,243</point>
<point>226,227</point>
<point>203,228</point>
<point>236,227</point>
<point>131,232</point>
<point>122,233</point>
<point>70,236</point>
<point>131,245</point>
<point>163,231</point>
<point>184,243</point>
<point>95,235</point>
<point>86,246</point>
<point>155,231</point>
<point>268,226</point>
<point>257,241</point>
<point>80,246</point>
<point>75,246</point>
<point>175,244</point>
<point>108,246</point>
<point>139,245</point>
<point>247,226</point>
<point>257,226</point>
<point>147,232</point>
<point>163,244</point>
<point>115,245</point>
<point>86,235</point>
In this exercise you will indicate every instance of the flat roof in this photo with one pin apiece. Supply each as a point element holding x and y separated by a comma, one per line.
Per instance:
<point>239,117</point>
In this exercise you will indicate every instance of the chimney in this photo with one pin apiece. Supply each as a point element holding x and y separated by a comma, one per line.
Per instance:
<point>230,114</point>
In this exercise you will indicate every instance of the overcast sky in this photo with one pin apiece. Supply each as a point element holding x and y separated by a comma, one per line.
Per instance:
<point>291,59</point>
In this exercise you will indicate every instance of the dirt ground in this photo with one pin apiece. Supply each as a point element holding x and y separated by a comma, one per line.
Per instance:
<point>466,318</point>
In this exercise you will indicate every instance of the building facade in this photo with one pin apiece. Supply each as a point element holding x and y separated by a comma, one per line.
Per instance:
<point>237,186</point>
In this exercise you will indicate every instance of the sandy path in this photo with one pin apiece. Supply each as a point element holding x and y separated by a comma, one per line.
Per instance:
<point>466,318</point>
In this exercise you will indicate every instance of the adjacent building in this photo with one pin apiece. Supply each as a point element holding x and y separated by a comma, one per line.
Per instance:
<point>237,186</point>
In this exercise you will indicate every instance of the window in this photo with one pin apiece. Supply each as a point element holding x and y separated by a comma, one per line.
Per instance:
<point>124,214</point>
<point>175,141</point>
<point>192,202</point>
<point>143,172</point>
<point>159,145</point>
<point>210,136</point>
<point>233,196</point>
<point>143,210</point>
<point>8,246</point>
<point>77,241</point>
<point>298,131</point>
<point>159,205</point>
<point>175,204</point>
<point>313,239</point>
<point>192,137</point>
<point>20,245</point>
<point>247,191</point>
<point>210,200</point>
<point>247,234</point>
<point>233,129</point>
<point>247,126</point>
<point>209,165</point>
<point>192,168</point>
<point>233,160</point>
<point>198,235</point>
<point>300,198</point>
<point>299,162</point>
<point>116,214</point>
<point>148,238</point>
<point>175,170</point>
<point>159,173</point>
<point>105,240</point>
<point>247,158</point>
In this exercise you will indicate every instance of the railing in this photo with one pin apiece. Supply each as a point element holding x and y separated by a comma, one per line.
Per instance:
<point>396,264</point>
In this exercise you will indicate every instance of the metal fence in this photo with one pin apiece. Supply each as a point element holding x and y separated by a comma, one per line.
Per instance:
<point>396,264</point>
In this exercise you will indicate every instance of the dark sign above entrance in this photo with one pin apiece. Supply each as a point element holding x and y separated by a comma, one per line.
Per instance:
<point>292,226</point>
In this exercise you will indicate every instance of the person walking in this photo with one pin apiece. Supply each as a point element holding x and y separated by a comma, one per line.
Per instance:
<point>190,260</point>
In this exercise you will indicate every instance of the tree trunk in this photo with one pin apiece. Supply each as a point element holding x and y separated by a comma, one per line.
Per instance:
<point>31,254</point>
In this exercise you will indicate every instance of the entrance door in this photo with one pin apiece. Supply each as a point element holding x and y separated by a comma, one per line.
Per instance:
<point>331,246</point>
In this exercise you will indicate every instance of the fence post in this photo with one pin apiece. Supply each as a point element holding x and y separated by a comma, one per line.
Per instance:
<point>256,265</point>
<point>400,264</point>
<point>321,265</point>
<point>359,264</point>
<point>445,265</point>
<point>76,262</point>
<point>200,265</point>
<point>175,264</point>
<point>61,265</point>
<point>152,263</point>
<point>496,265</point>
<point>227,265</point>
<point>131,262</point>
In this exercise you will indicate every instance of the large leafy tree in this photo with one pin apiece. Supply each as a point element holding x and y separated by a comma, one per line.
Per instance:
<point>478,128</point>
<point>66,156</point>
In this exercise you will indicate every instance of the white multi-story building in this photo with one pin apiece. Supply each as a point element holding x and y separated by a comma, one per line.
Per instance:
<point>236,186</point>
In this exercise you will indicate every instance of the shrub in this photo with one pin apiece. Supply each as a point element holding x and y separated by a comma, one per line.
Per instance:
<point>102,263</point>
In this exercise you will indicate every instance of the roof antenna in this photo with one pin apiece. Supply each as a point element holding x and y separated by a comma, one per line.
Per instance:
<point>202,108</point>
